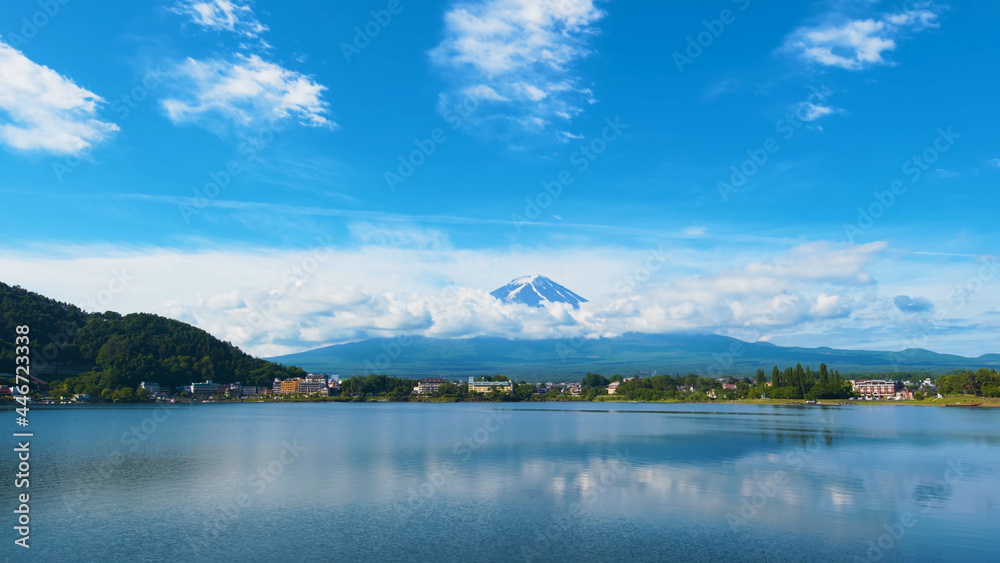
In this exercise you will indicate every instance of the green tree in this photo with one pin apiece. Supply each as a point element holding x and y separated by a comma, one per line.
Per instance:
<point>524,392</point>
<point>594,380</point>
<point>123,394</point>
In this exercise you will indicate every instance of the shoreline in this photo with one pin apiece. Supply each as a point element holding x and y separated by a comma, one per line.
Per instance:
<point>953,401</point>
<point>976,402</point>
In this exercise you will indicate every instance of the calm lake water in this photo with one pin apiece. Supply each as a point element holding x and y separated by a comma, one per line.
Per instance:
<point>496,482</point>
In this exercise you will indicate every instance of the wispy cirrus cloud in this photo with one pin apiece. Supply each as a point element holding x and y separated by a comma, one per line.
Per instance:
<point>42,110</point>
<point>222,15</point>
<point>857,44</point>
<point>515,58</point>
<point>809,111</point>
<point>245,91</point>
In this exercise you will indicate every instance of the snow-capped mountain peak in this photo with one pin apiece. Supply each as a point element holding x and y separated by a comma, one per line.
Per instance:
<point>525,279</point>
<point>535,291</point>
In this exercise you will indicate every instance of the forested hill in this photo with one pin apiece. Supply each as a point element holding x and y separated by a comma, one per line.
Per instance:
<point>109,351</point>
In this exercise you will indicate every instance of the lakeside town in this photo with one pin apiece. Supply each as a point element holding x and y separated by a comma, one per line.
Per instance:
<point>796,384</point>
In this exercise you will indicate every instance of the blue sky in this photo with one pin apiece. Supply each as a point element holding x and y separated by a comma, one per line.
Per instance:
<point>287,175</point>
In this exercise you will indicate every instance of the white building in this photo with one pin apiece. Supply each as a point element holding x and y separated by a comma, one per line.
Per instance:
<point>205,388</point>
<point>429,385</point>
<point>487,386</point>
<point>310,387</point>
<point>313,383</point>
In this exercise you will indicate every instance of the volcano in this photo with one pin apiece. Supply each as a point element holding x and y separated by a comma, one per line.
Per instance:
<point>535,291</point>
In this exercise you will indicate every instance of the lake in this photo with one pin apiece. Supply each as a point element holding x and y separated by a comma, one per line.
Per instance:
<point>510,482</point>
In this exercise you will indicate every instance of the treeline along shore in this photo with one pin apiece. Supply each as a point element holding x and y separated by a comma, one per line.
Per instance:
<point>796,385</point>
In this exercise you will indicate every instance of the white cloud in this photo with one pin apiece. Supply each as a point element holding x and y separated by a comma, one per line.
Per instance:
<point>517,55</point>
<point>398,237</point>
<point>273,302</point>
<point>918,17</point>
<point>828,306</point>
<point>247,91</point>
<point>483,92</point>
<point>823,261</point>
<point>530,91</point>
<point>217,15</point>
<point>810,283</point>
<point>808,111</point>
<point>41,109</point>
<point>859,44</point>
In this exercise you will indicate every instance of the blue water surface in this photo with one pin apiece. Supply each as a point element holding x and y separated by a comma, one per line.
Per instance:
<point>509,482</point>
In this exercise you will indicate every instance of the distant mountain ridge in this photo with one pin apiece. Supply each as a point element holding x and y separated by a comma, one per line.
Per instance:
<point>535,291</point>
<point>570,359</point>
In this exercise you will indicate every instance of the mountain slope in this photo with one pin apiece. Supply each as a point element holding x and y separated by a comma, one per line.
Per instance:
<point>535,291</point>
<point>565,360</point>
<point>109,350</point>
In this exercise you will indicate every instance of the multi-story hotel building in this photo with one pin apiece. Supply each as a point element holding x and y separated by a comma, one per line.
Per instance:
<point>878,388</point>
<point>487,386</point>
<point>290,386</point>
<point>429,385</point>
<point>206,388</point>
<point>313,384</point>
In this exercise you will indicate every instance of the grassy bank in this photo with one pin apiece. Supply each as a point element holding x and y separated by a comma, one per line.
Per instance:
<point>958,400</point>
<point>930,402</point>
